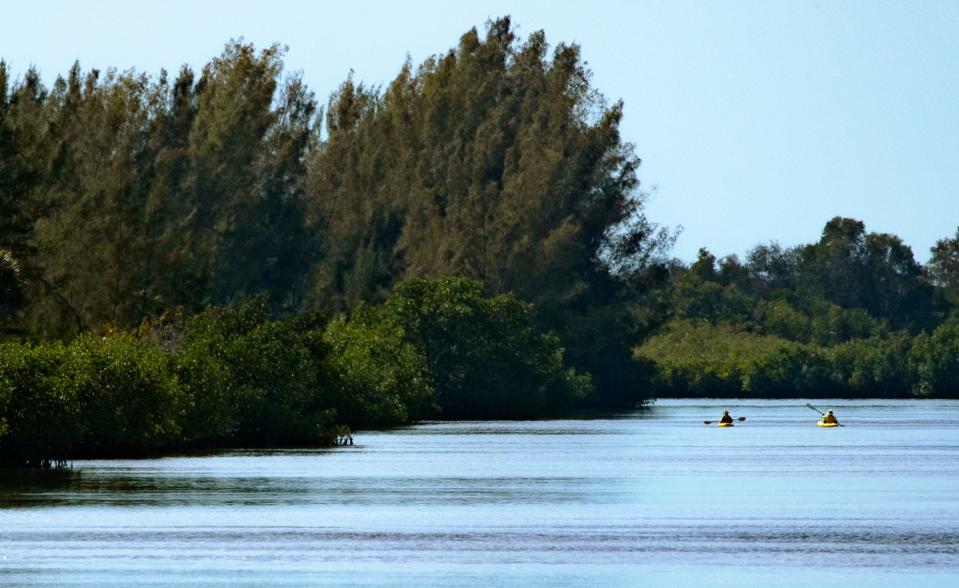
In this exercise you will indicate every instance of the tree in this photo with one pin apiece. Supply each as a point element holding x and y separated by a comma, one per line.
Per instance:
<point>899,290</point>
<point>91,241</point>
<point>22,156</point>
<point>245,185</point>
<point>834,267</point>
<point>943,268</point>
<point>873,271</point>
<point>491,161</point>
<point>772,268</point>
<point>496,161</point>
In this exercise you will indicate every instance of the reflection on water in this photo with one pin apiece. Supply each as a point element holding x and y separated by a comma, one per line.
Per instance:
<point>127,489</point>
<point>655,497</point>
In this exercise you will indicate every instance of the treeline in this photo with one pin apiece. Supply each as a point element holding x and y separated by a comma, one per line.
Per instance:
<point>239,378</point>
<point>140,215</point>
<point>853,315</point>
<point>124,195</point>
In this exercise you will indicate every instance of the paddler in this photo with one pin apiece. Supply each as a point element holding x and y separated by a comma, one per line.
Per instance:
<point>830,418</point>
<point>726,418</point>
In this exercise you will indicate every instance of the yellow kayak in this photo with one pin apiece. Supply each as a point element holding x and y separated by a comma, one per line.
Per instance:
<point>724,425</point>
<point>822,424</point>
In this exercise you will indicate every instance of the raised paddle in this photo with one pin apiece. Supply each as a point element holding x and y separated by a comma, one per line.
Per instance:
<point>822,413</point>
<point>740,419</point>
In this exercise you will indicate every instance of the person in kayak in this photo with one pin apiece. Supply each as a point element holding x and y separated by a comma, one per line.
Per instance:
<point>830,418</point>
<point>726,418</point>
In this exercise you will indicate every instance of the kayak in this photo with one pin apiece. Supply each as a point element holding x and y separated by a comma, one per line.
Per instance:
<point>822,424</point>
<point>724,425</point>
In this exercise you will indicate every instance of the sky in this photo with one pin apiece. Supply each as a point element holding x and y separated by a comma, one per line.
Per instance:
<point>756,121</point>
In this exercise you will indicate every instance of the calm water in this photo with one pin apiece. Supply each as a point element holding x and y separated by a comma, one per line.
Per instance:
<point>652,498</point>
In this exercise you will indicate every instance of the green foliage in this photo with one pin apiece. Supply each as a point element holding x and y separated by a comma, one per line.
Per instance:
<point>110,396</point>
<point>382,377</point>
<point>697,358</point>
<point>124,195</point>
<point>780,319</point>
<point>810,319</point>
<point>704,359</point>
<point>125,393</point>
<point>240,378</point>
<point>847,315</point>
<point>496,161</point>
<point>253,381</point>
<point>875,367</point>
<point>41,417</point>
<point>594,335</point>
<point>485,356</point>
<point>493,161</point>
<point>22,157</point>
<point>943,268</point>
<point>872,271</point>
<point>695,298</point>
<point>934,362</point>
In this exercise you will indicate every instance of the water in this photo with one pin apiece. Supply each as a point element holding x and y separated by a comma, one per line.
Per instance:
<point>654,498</point>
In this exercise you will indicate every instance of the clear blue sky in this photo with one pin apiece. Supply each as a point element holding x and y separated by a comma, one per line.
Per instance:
<point>756,121</point>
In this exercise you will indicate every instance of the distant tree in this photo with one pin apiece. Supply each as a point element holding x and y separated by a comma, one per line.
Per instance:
<point>703,292</point>
<point>780,318</point>
<point>873,271</point>
<point>899,288</point>
<point>772,268</point>
<point>733,273</point>
<point>943,268</point>
<point>704,267</point>
<point>835,266</point>
<point>934,361</point>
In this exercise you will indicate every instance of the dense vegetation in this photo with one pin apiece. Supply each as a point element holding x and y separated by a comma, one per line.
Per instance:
<point>239,378</point>
<point>125,196</point>
<point>213,259</point>
<point>853,315</point>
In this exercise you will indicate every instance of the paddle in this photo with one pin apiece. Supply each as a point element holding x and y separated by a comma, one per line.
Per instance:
<point>822,413</point>
<point>740,419</point>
